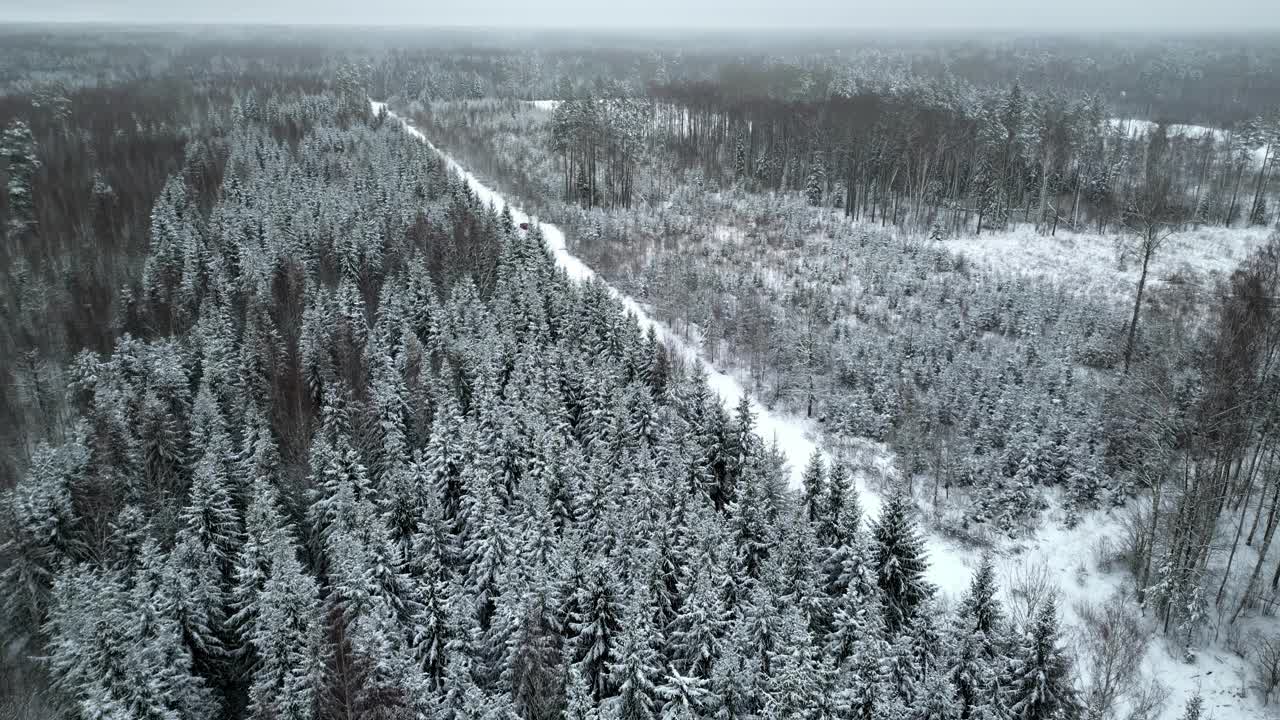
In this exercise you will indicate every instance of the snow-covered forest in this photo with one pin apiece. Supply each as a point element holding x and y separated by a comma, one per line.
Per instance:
<point>913,380</point>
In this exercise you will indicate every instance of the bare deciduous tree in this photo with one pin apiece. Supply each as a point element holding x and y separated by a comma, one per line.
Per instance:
<point>1153,217</point>
<point>1110,644</point>
<point>1147,701</point>
<point>1266,665</point>
<point>1029,583</point>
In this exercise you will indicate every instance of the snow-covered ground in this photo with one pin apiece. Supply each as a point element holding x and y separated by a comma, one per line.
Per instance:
<point>1135,128</point>
<point>545,104</point>
<point>1109,265</point>
<point>1218,674</point>
<point>1066,552</point>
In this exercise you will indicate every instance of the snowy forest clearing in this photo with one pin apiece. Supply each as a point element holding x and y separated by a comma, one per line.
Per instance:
<point>1136,128</point>
<point>1062,558</point>
<point>1109,265</point>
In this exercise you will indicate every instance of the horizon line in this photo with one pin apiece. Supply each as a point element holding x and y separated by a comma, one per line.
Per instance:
<point>1186,30</point>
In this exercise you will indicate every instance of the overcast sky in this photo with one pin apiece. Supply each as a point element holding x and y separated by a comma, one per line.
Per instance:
<point>1045,15</point>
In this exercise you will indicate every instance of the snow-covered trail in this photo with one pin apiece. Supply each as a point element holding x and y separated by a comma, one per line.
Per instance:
<point>1067,553</point>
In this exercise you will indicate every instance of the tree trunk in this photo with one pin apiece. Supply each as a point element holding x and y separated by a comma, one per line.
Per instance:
<point>1147,248</point>
<point>1262,177</point>
<point>1235,543</point>
<point>1262,504</point>
<point>1156,498</point>
<point>1262,558</point>
<point>1235,195</point>
<point>1075,202</point>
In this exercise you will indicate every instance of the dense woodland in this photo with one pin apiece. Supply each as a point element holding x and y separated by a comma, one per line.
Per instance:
<point>790,239</point>
<point>364,452</point>
<point>295,427</point>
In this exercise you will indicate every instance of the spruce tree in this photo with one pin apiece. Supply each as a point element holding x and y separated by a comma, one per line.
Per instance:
<point>1041,686</point>
<point>841,515</point>
<point>975,677</point>
<point>286,638</point>
<point>18,147</point>
<point>900,562</point>
<point>936,700</point>
<point>683,697</point>
<point>814,483</point>
<point>598,632</point>
<point>698,627</point>
<point>636,674</point>
<point>980,608</point>
<point>433,626</point>
<point>1194,709</point>
<point>580,704</point>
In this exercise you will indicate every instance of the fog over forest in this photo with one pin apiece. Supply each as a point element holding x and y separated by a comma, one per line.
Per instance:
<point>911,16</point>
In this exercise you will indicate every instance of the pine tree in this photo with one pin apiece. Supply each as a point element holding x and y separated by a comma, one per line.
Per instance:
<point>263,523</point>
<point>116,645</point>
<point>87,641</point>
<point>740,157</point>
<point>340,478</point>
<point>794,678</point>
<point>737,681</point>
<point>370,673</point>
<point>750,521</point>
<point>859,647</point>
<point>487,551</point>
<point>848,561</point>
<point>927,648</point>
<point>365,571</point>
<point>975,678</point>
<point>200,606</point>
<point>210,515</point>
<point>740,449</point>
<point>533,656</point>
<point>44,532</point>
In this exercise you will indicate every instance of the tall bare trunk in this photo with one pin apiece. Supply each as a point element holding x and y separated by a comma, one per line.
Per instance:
<point>1137,305</point>
<point>1252,586</point>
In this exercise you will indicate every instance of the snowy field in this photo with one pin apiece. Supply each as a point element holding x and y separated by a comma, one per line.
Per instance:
<point>1135,128</point>
<point>1110,265</point>
<point>1067,555</point>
